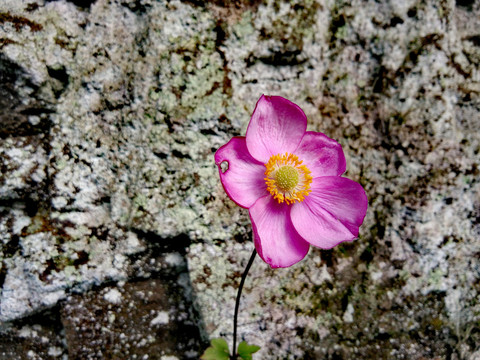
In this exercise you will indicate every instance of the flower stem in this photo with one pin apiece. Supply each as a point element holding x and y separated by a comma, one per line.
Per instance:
<point>237,303</point>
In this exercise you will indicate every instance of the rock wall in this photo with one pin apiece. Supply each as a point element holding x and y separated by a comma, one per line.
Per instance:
<point>113,221</point>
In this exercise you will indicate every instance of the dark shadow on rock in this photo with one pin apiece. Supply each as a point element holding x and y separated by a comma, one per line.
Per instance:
<point>153,317</point>
<point>84,4</point>
<point>18,101</point>
<point>165,258</point>
<point>467,4</point>
<point>159,245</point>
<point>152,313</point>
<point>38,336</point>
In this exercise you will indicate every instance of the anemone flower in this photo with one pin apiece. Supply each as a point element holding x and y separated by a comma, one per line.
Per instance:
<point>290,181</point>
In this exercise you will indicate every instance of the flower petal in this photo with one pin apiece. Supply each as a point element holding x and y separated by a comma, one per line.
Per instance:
<point>243,180</point>
<point>277,126</point>
<point>322,156</point>
<point>331,213</point>
<point>276,240</point>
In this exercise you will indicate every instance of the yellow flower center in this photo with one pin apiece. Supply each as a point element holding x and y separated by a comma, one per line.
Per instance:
<point>287,179</point>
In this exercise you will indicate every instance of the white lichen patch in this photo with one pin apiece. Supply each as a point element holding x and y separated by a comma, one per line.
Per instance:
<point>27,332</point>
<point>168,357</point>
<point>174,259</point>
<point>23,292</point>
<point>23,162</point>
<point>162,318</point>
<point>113,296</point>
<point>55,351</point>
<point>348,314</point>
<point>21,221</point>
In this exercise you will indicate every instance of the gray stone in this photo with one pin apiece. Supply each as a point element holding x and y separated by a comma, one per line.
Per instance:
<point>111,112</point>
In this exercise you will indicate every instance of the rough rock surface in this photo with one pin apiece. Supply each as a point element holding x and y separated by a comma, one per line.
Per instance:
<point>110,112</point>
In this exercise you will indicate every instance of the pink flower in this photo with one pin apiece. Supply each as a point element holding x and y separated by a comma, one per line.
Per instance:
<point>290,181</point>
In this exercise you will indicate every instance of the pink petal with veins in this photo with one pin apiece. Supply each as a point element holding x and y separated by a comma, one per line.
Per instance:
<point>243,180</point>
<point>322,156</point>
<point>276,240</point>
<point>331,213</point>
<point>277,126</point>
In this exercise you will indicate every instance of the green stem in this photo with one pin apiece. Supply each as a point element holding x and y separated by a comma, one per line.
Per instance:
<point>237,304</point>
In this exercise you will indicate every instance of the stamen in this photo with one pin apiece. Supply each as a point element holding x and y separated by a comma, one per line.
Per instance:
<point>287,179</point>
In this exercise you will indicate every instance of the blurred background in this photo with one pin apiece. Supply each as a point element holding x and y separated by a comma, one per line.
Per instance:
<point>117,240</point>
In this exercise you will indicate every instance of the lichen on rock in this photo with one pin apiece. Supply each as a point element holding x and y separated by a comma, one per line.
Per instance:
<point>111,112</point>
